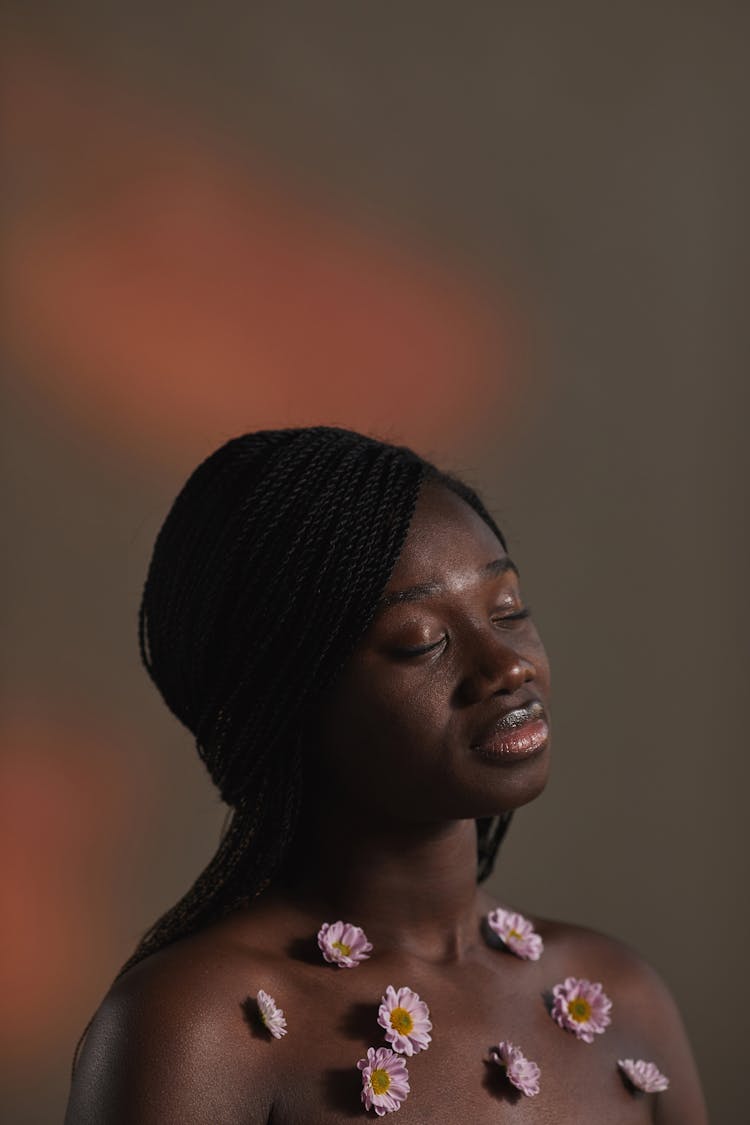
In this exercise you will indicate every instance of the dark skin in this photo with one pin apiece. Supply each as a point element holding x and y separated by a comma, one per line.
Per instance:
<point>392,848</point>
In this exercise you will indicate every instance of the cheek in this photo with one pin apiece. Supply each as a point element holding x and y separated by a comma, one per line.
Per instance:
<point>399,718</point>
<point>535,651</point>
<point>384,725</point>
<point>539,647</point>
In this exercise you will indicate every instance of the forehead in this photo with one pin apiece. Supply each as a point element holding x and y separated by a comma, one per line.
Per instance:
<point>445,536</point>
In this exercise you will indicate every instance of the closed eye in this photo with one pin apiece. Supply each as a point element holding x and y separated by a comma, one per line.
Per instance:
<point>421,650</point>
<point>519,615</point>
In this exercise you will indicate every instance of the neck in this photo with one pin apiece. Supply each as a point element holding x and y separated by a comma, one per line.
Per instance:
<point>412,888</point>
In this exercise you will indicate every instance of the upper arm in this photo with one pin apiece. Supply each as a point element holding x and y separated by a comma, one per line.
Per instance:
<point>683,1103</point>
<point>157,1054</point>
<point>646,1003</point>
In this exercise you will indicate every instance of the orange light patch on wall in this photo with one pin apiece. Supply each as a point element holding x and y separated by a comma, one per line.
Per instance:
<point>171,295</point>
<point>66,806</point>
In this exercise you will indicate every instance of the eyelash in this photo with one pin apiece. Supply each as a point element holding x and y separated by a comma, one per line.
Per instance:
<point>519,615</point>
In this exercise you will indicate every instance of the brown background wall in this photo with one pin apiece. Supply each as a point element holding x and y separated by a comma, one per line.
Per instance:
<point>509,235</point>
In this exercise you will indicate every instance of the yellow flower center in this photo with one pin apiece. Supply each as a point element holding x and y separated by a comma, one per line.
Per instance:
<point>579,1009</point>
<point>515,934</point>
<point>401,1021</point>
<point>342,947</point>
<point>380,1080</point>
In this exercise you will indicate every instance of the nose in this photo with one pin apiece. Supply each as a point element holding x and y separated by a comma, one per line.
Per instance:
<point>495,667</point>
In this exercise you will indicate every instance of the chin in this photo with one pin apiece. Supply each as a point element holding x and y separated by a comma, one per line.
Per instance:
<point>508,786</point>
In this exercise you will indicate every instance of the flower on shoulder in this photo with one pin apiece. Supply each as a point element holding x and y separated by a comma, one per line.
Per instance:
<point>272,1017</point>
<point>581,1006</point>
<point>522,1072</point>
<point>643,1075</point>
<point>406,1020</point>
<point>385,1080</point>
<point>516,933</point>
<point>343,944</point>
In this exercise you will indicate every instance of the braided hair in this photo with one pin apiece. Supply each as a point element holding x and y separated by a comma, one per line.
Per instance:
<point>276,532</point>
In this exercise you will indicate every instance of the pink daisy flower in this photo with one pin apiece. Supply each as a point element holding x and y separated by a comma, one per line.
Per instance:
<point>406,1020</point>
<point>522,1072</point>
<point>516,933</point>
<point>343,944</point>
<point>385,1080</point>
<point>272,1017</point>
<point>644,1075</point>
<point>582,1007</point>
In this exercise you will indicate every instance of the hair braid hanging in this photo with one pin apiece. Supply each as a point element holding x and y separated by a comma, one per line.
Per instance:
<point>263,577</point>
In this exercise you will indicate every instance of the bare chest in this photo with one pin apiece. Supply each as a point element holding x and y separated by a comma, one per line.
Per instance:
<point>334,1020</point>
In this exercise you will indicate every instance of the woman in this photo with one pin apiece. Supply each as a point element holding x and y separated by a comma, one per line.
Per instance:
<point>342,628</point>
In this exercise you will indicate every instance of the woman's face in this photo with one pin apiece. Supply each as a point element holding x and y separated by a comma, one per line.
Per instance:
<point>441,713</point>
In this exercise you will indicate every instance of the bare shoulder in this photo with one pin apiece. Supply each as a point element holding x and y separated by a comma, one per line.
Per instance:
<point>178,1039</point>
<point>599,951</point>
<point>600,956</point>
<point>643,1006</point>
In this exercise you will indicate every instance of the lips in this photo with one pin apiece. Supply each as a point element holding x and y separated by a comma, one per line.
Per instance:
<point>516,734</point>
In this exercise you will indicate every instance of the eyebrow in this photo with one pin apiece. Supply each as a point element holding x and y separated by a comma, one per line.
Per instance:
<point>428,589</point>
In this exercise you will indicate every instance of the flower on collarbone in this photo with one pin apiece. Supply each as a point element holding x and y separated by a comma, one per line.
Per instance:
<point>516,933</point>
<point>644,1075</point>
<point>520,1071</point>
<point>385,1080</point>
<point>271,1016</point>
<point>406,1020</point>
<point>581,1006</point>
<point>343,944</point>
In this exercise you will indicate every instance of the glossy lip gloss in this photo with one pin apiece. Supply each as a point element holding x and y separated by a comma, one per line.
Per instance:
<point>520,734</point>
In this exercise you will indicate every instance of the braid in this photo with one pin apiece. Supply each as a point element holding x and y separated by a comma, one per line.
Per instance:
<point>490,833</point>
<point>264,575</point>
